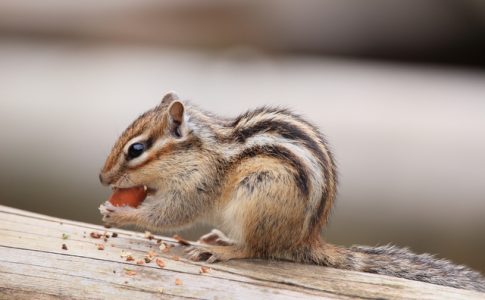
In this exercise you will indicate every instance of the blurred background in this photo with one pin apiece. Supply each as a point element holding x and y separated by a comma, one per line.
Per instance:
<point>397,86</point>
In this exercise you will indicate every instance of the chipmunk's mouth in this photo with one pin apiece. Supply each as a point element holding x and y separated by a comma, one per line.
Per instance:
<point>130,196</point>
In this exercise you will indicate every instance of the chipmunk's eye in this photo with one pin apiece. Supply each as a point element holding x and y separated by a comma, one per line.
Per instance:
<point>136,150</point>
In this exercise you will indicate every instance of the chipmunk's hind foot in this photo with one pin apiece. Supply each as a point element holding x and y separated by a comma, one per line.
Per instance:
<point>212,254</point>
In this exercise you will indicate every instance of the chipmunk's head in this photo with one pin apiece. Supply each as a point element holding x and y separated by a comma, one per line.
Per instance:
<point>148,150</point>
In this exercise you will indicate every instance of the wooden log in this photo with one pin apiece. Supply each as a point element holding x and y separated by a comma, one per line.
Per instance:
<point>34,265</point>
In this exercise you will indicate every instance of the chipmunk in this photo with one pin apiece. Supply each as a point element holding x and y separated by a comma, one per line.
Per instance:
<point>267,177</point>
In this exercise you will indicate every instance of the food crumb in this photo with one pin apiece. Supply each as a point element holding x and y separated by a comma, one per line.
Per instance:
<point>100,246</point>
<point>64,247</point>
<point>140,262</point>
<point>160,263</point>
<point>149,235</point>
<point>65,236</point>
<point>95,235</point>
<point>204,270</point>
<point>181,240</point>
<point>129,258</point>
<point>124,254</point>
<point>166,247</point>
<point>114,234</point>
<point>130,272</point>
<point>150,256</point>
<point>160,290</point>
<point>178,281</point>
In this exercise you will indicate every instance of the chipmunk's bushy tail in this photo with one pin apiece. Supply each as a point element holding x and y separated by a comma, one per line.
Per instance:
<point>399,262</point>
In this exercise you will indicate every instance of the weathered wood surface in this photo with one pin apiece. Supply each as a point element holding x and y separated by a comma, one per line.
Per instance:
<point>33,265</point>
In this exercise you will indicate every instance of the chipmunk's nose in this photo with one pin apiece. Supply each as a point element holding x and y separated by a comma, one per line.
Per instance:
<point>103,179</point>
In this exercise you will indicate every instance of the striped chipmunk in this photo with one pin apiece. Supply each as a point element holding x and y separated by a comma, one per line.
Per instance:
<point>267,178</point>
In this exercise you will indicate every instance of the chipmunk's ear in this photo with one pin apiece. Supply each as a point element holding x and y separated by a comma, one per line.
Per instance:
<point>176,111</point>
<point>176,118</point>
<point>169,98</point>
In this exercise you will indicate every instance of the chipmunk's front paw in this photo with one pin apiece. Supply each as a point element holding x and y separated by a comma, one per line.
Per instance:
<point>116,215</point>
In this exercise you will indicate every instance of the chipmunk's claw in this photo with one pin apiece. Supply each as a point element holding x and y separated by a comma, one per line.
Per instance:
<point>114,215</point>
<point>214,249</point>
<point>213,259</point>
<point>199,253</point>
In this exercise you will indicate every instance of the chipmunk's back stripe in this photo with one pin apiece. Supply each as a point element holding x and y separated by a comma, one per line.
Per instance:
<point>294,128</point>
<point>330,172</point>
<point>279,152</point>
<point>284,129</point>
<point>258,111</point>
<point>293,132</point>
<point>330,187</point>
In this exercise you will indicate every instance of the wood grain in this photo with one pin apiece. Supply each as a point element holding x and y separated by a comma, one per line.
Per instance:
<point>33,265</point>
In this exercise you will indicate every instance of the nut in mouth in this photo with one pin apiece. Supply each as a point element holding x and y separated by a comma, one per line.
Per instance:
<point>130,196</point>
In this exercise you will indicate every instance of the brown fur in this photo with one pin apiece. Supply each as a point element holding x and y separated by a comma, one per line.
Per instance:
<point>267,177</point>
